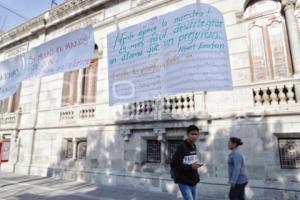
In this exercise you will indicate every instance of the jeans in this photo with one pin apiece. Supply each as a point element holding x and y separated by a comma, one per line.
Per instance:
<point>238,192</point>
<point>188,192</point>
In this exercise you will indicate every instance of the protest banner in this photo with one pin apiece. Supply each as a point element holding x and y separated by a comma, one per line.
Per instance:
<point>69,52</point>
<point>183,51</point>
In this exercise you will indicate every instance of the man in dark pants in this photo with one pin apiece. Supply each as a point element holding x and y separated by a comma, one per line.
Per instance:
<point>184,162</point>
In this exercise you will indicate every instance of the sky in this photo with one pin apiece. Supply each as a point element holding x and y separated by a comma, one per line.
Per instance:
<point>26,8</point>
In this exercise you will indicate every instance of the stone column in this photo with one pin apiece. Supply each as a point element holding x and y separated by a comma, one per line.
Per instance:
<point>161,136</point>
<point>10,102</point>
<point>79,86</point>
<point>74,142</point>
<point>294,38</point>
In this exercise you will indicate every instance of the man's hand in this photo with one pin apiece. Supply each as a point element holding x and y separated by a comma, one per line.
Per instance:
<point>196,166</point>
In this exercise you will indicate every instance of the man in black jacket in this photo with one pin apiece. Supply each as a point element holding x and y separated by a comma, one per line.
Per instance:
<point>185,164</point>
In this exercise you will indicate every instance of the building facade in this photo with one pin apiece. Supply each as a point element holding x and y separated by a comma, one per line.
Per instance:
<point>62,125</point>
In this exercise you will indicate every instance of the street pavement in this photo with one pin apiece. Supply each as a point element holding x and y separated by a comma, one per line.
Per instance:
<point>20,187</point>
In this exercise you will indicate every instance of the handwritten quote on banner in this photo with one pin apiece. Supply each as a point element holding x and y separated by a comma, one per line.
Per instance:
<point>183,51</point>
<point>69,52</point>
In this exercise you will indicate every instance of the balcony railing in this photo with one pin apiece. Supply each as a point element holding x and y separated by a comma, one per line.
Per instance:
<point>272,97</point>
<point>141,108</point>
<point>168,107</point>
<point>180,103</point>
<point>9,120</point>
<point>280,94</point>
<point>77,114</point>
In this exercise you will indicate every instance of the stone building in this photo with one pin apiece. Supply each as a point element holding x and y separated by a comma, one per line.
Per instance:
<point>54,130</point>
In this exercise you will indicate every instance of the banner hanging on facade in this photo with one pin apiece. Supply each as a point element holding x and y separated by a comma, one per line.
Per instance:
<point>182,51</point>
<point>72,51</point>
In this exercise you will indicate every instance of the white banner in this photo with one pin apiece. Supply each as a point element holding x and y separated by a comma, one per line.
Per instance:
<point>11,75</point>
<point>182,51</point>
<point>72,51</point>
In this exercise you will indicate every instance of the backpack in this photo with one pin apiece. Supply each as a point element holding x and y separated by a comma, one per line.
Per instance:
<point>174,171</point>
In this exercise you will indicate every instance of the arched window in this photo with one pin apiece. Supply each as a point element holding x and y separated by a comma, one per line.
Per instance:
<point>268,42</point>
<point>80,86</point>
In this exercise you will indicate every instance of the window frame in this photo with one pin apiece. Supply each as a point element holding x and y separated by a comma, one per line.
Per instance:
<point>12,102</point>
<point>147,151</point>
<point>89,82</point>
<point>282,164</point>
<point>69,94</point>
<point>66,152</point>
<point>78,141</point>
<point>169,154</point>
<point>82,82</point>
<point>264,21</point>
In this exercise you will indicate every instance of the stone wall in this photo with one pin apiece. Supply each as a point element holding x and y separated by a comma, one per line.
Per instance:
<point>116,147</point>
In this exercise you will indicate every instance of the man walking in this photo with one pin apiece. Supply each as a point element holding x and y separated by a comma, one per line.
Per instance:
<point>185,164</point>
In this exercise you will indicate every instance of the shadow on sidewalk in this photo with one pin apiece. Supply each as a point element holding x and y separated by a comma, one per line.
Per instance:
<point>98,194</point>
<point>20,182</point>
<point>53,189</point>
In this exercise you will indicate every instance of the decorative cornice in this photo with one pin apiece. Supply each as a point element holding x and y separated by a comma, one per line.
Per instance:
<point>126,134</point>
<point>289,4</point>
<point>80,9</point>
<point>69,9</point>
<point>17,50</point>
<point>160,133</point>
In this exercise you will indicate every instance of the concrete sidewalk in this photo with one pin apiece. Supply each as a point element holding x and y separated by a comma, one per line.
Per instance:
<point>20,187</point>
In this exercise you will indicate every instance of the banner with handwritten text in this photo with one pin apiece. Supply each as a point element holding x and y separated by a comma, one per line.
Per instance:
<point>183,51</point>
<point>69,52</point>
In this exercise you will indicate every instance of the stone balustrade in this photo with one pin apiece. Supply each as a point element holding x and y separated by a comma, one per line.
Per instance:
<point>9,120</point>
<point>179,103</point>
<point>67,114</point>
<point>78,113</point>
<point>167,106</point>
<point>274,95</point>
<point>141,108</point>
<point>87,113</point>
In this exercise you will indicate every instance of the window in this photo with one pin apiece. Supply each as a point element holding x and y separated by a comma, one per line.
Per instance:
<point>297,14</point>
<point>268,42</point>
<point>172,146</point>
<point>161,151</point>
<point>153,151</point>
<point>81,147</point>
<point>289,152</point>
<point>68,148</point>
<point>11,104</point>
<point>4,105</point>
<point>70,88</point>
<point>15,101</point>
<point>89,83</point>
<point>80,85</point>
<point>80,144</point>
